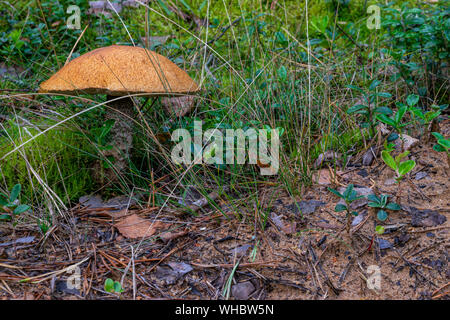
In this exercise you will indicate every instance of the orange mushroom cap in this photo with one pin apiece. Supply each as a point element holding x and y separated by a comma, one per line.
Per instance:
<point>118,71</point>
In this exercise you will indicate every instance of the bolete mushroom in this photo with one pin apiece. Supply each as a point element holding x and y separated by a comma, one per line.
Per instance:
<point>120,71</point>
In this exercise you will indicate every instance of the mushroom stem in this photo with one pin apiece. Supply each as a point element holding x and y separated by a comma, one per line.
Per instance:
<point>120,136</point>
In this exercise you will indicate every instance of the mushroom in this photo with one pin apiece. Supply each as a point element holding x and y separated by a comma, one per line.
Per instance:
<point>120,71</point>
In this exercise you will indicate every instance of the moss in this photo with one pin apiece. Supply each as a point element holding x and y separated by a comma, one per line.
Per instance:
<point>56,157</point>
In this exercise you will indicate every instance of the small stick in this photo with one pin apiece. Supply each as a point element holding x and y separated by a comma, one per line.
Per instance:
<point>229,265</point>
<point>439,289</point>
<point>413,268</point>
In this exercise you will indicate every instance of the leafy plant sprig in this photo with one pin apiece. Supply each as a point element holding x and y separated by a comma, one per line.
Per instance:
<point>425,116</point>
<point>349,195</point>
<point>400,167</point>
<point>382,204</point>
<point>442,145</point>
<point>369,109</point>
<point>9,206</point>
<point>396,120</point>
<point>113,286</point>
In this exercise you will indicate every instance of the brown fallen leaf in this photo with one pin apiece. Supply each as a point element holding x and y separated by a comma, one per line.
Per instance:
<point>289,228</point>
<point>166,236</point>
<point>134,227</point>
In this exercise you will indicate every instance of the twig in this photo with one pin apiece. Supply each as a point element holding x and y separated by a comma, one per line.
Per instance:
<point>242,265</point>
<point>224,30</point>
<point>413,268</point>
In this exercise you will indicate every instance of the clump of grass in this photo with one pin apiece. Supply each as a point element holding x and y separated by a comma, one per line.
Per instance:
<point>55,159</point>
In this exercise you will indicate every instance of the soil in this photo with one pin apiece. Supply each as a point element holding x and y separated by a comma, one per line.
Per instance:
<point>300,254</point>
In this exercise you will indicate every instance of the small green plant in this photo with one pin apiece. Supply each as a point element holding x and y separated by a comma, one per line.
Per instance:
<point>382,204</point>
<point>10,205</point>
<point>113,286</point>
<point>400,167</point>
<point>442,145</point>
<point>379,229</point>
<point>369,109</point>
<point>425,117</point>
<point>396,120</point>
<point>349,195</point>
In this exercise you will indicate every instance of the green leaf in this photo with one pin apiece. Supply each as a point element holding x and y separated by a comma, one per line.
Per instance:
<point>392,137</point>
<point>21,209</point>
<point>400,113</point>
<point>117,287</point>
<point>382,215</point>
<point>430,115</point>
<point>383,94</point>
<point>385,119</point>
<point>15,192</point>
<point>412,100</point>
<point>350,86</point>
<point>417,112</point>
<point>387,158</point>
<point>406,167</point>
<point>5,217</point>
<point>373,198</point>
<point>354,196</point>
<point>438,148</point>
<point>355,213</point>
<point>384,199</point>
<point>399,157</point>
<point>336,193</point>
<point>445,143</point>
<point>109,285</point>
<point>340,207</point>
<point>3,200</point>
<point>384,110</point>
<point>356,108</point>
<point>374,84</point>
<point>379,229</point>
<point>393,206</point>
<point>374,205</point>
<point>348,192</point>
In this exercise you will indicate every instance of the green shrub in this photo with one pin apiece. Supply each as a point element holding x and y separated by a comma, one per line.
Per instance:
<point>418,39</point>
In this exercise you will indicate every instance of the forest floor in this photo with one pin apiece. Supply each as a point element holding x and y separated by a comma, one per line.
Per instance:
<point>296,256</point>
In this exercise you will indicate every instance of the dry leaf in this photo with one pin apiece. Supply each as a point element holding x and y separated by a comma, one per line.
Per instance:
<point>289,228</point>
<point>166,236</point>
<point>134,227</point>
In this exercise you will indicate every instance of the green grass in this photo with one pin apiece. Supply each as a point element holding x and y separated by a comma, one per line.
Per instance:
<point>54,161</point>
